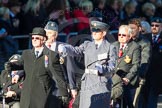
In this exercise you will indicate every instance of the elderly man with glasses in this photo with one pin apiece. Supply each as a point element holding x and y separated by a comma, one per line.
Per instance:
<point>127,63</point>
<point>40,64</point>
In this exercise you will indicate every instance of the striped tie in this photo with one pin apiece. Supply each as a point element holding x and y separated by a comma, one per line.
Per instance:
<point>121,51</point>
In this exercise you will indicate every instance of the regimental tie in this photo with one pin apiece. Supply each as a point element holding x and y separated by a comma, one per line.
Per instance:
<point>154,39</point>
<point>121,51</point>
<point>36,54</point>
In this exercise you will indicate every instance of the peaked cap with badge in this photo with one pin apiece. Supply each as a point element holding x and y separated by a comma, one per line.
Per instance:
<point>97,26</point>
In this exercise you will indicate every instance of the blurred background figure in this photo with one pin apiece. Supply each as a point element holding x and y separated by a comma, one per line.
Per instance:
<point>128,11</point>
<point>148,10</point>
<point>8,46</point>
<point>111,14</point>
<point>10,87</point>
<point>14,7</point>
<point>145,27</point>
<point>34,15</point>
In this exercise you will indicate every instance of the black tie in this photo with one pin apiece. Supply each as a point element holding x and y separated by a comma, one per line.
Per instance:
<point>37,52</point>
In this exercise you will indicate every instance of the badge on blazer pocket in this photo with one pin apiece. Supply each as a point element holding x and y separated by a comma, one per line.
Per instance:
<point>127,59</point>
<point>160,49</point>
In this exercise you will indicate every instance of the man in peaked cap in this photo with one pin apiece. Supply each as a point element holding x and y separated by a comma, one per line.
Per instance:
<point>97,26</point>
<point>51,29</point>
<point>100,58</point>
<point>39,86</point>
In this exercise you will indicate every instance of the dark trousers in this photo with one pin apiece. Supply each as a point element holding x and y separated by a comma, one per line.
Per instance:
<point>128,96</point>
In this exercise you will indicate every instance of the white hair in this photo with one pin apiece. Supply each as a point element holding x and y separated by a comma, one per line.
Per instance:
<point>126,27</point>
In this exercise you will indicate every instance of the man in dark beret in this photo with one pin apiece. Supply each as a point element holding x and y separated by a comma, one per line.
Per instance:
<point>154,75</point>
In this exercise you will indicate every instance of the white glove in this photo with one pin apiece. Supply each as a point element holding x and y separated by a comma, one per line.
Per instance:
<point>99,68</point>
<point>62,50</point>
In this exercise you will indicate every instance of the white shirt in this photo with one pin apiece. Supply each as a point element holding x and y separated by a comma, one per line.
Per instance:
<point>123,46</point>
<point>53,46</point>
<point>157,36</point>
<point>40,52</point>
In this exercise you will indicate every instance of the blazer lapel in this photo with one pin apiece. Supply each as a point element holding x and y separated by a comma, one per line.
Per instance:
<point>33,53</point>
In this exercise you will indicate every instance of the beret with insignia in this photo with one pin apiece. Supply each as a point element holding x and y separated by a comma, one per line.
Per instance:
<point>51,26</point>
<point>156,20</point>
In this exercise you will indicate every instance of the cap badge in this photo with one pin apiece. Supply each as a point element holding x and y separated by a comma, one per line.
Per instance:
<point>95,24</point>
<point>52,24</point>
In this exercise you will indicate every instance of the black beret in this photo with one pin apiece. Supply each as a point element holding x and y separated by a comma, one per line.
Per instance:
<point>156,19</point>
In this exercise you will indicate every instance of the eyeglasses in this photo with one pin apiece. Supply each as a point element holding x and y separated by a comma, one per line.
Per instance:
<point>36,38</point>
<point>124,35</point>
<point>156,25</point>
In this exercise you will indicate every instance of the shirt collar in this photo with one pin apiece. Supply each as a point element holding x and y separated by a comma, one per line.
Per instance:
<point>40,51</point>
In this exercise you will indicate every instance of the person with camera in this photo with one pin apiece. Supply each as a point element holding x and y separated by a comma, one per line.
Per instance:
<point>11,88</point>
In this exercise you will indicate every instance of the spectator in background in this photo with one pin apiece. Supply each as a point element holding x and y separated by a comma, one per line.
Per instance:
<point>59,12</point>
<point>5,19</point>
<point>8,45</point>
<point>82,14</point>
<point>111,14</point>
<point>148,10</point>
<point>3,2</point>
<point>34,16</point>
<point>128,11</point>
<point>15,7</point>
<point>99,6</point>
<point>145,27</point>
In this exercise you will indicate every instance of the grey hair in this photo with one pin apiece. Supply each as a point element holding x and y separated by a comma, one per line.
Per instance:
<point>127,28</point>
<point>146,26</point>
<point>147,6</point>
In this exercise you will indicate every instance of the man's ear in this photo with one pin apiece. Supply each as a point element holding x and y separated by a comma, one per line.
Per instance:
<point>140,29</point>
<point>56,35</point>
<point>44,39</point>
<point>104,33</point>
